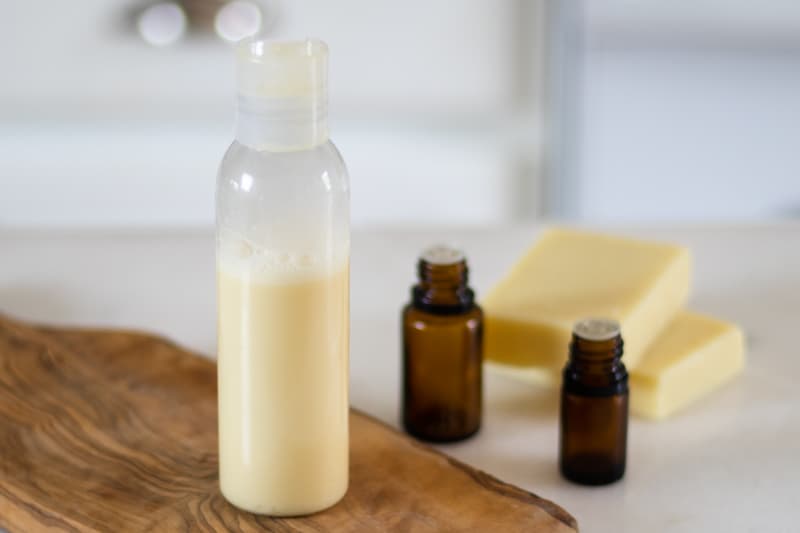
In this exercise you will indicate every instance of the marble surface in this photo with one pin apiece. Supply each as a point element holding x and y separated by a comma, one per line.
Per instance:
<point>729,463</point>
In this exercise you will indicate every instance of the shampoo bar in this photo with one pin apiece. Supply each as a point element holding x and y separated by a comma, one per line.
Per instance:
<point>694,355</point>
<point>569,275</point>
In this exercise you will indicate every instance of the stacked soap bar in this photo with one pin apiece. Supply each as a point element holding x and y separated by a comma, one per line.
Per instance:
<point>570,275</point>
<point>673,357</point>
<point>693,355</point>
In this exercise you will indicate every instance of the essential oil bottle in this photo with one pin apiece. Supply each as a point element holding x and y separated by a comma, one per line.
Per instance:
<point>442,350</point>
<point>594,405</point>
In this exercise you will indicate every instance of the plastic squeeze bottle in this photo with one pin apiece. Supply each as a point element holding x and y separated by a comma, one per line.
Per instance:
<point>283,247</point>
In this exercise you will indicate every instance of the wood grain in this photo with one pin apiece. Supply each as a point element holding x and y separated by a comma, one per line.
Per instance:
<point>116,431</point>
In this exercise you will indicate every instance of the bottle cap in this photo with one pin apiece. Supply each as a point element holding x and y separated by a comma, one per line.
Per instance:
<point>282,69</point>
<point>596,329</point>
<point>442,254</point>
<point>282,91</point>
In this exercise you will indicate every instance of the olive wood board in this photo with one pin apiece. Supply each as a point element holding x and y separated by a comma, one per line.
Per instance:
<point>106,430</point>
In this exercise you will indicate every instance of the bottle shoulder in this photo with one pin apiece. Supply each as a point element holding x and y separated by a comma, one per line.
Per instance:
<point>414,313</point>
<point>595,382</point>
<point>321,165</point>
<point>323,157</point>
<point>323,151</point>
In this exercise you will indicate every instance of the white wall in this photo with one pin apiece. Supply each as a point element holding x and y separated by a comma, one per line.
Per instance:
<point>690,135</point>
<point>679,110</point>
<point>100,128</point>
<point>689,111</point>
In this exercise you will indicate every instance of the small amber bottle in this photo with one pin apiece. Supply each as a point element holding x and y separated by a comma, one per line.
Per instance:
<point>442,351</point>
<point>594,405</point>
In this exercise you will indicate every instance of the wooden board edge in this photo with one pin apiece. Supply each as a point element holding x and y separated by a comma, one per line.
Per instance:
<point>484,479</point>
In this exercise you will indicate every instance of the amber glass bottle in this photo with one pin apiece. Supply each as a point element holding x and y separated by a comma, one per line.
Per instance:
<point>594,405</point>
<point>442,351</point>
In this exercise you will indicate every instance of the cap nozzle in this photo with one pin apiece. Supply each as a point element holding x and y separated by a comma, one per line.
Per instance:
<point>282,88</point>
<point>288,69</point>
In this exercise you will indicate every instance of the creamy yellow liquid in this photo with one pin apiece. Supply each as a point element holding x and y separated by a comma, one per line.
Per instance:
<point>283,390</point>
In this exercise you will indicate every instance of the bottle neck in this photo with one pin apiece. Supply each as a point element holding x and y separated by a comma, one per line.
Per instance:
<point>281,124</point>
<point>595,368</point>
<point>442,288</point>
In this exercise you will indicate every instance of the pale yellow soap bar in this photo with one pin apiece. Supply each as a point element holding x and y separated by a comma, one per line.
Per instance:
<point>694,355</point>
<point>569,275</point>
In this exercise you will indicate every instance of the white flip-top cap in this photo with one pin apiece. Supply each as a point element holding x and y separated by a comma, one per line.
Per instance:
<point>282,92</point>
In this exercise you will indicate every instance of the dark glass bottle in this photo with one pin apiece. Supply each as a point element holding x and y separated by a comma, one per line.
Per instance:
<point>594,405</point>
<point>442,351</point>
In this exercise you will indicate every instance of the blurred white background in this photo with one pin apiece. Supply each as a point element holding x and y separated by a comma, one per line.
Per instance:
<point>447,111</point>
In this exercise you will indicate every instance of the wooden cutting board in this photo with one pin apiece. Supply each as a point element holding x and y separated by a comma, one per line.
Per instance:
<point>117,431</point>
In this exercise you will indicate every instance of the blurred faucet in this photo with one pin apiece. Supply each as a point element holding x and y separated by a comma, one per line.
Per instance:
<point>166,22</point>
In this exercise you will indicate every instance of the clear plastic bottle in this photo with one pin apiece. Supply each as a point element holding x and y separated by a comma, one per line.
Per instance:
<point>283,246</point>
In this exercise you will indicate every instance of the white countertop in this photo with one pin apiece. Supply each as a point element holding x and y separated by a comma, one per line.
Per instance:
<point>729,463</point>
